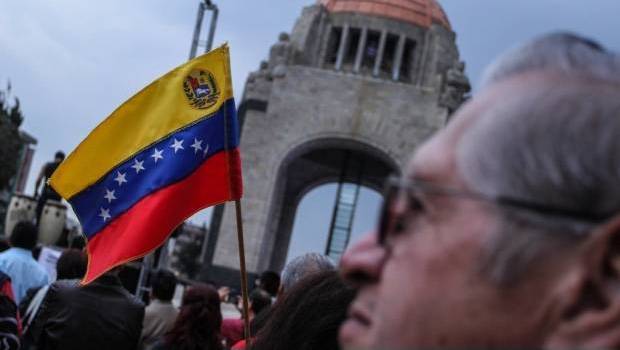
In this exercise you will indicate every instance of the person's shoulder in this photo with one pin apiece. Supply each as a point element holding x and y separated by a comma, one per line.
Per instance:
<point>5,254</point>
<point>64,286</point>
<point>66,283</point>
<point>120,293</point>
<point>133,300</point>
<point>41,273</point>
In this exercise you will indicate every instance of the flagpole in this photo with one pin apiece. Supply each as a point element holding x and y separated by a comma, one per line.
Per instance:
<point>244,278</point>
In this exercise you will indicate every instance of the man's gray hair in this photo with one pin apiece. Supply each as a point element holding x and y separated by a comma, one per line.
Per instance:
<point>556,145</point>
<point>561,51</point>
<point>303,266</point>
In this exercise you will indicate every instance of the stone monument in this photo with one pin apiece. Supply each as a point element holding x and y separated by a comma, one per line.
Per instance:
<point>348,95</point>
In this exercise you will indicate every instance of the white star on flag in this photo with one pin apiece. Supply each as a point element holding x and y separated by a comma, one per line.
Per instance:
<point>197,145</point>
<point>137,165</point>
<point>177,145</point>
<point>120,178</point>
<point>105,214</point>
<point>204,154</point>
<point>157,154</point>
<point>109,195</point>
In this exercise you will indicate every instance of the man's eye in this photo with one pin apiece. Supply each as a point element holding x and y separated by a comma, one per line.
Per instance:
<point>416,204</point>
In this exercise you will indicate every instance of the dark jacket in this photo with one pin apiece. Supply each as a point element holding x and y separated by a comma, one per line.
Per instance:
<point>101,315</point>
<point>9,324</point>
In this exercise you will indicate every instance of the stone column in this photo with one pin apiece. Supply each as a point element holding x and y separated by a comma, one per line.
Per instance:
<point>360,50</point>
<point>379,57</point>
<point>398,60</point>
<point>344,38</point>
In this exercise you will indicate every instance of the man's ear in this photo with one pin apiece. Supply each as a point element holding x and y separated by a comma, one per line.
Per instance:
<point>591,317</point>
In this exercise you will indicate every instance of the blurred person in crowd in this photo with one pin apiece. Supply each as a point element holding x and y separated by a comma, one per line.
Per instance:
<point>70,268</point>
<point>160,314</point>
<point>303,266</point>
<point>9,318</point>
<point>78,242</point>
<point>508,219</point>
<point>18,262</point>
<point>99,315</point>
<point>269,281</point>
<point>71,265</point>
<point>233,328</point>
<point>47,192</point>
<point>307,317</point>
<point>197,327</point>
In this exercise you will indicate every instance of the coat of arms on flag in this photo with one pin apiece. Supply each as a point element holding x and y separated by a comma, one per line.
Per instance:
<point>155,161</point>
<point>201,89</point>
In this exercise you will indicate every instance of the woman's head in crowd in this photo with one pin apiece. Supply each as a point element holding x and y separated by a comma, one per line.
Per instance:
<point>308,315</point>
<point>198,324</point>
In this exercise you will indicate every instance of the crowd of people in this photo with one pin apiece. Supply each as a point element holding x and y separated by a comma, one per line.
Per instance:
<point>504,231</point>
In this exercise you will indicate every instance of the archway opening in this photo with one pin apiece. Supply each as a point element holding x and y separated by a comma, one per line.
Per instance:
<point>314,213</point>
<point>347,165</point>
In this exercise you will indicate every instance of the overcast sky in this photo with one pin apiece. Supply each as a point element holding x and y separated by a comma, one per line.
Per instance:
<point>72,62</point>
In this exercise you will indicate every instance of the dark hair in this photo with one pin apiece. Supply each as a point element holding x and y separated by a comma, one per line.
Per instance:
<point>24,235</point>
<point>71,264</point>
<point>60,154</point>
<point>163,283</point>
<point>270,282</point>
<point>260,299</point>
<point>78,242</point>
<point>308,315</point>
<point>4,245</point>
<point>198,324</point>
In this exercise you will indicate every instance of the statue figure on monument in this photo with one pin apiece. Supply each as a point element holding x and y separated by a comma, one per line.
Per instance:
<point>279,56</point>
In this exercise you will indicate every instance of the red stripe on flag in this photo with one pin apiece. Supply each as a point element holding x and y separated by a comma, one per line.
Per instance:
<point>150,221</point>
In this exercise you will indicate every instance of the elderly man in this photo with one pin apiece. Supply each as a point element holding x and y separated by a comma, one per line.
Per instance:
<point>303,266</point>
<point>504,229</point>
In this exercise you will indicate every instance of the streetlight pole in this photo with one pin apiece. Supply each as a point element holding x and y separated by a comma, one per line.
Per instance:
<point>205,5</point>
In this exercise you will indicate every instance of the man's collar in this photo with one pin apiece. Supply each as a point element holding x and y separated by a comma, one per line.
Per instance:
<point>21,251</point>
<point>108,279</point>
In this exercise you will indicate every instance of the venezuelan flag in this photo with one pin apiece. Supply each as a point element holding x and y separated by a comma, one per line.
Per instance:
<point>167,152</point>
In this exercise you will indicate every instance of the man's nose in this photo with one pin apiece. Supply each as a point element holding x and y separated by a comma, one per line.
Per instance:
<point>363,261</point>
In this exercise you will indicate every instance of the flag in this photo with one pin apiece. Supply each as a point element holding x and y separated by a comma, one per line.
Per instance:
<point>164,154</point>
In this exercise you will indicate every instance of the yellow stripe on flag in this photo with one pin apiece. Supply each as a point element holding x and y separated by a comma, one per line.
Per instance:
<point>156,111</point>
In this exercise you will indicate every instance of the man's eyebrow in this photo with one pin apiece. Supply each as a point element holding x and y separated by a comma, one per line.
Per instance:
<point>419,176</point>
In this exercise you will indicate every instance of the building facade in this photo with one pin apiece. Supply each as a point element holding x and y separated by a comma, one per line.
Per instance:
<point>347,96</point>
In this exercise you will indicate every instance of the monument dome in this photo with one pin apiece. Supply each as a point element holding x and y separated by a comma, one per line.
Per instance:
<point>422,13</point>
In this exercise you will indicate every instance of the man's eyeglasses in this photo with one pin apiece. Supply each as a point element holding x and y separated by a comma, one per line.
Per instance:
<point>396,186</point>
